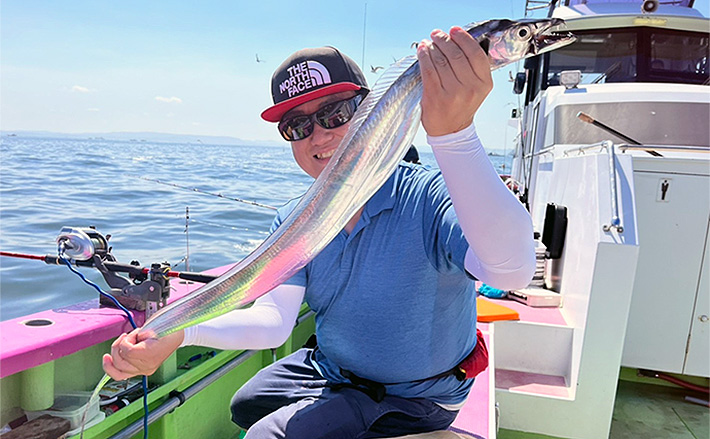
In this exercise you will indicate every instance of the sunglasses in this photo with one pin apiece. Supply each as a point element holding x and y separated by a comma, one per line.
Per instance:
<point>329,116</point>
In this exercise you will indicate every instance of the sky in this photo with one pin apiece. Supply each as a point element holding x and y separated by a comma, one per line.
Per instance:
<point>184,67</point>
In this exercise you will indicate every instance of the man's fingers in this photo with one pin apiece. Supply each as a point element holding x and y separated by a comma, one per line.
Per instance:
<point>118,340</point>
<point>439,59</point>
<point>143,336</point>
<point>450,60</point>
<point>426,65</point>
<point>116,346</point>
<point>112,371</point>
<point>475,55</point>
<point>456,78</point>
<point>120,355</point>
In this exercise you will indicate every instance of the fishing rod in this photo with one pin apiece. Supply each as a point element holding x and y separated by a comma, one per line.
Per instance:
<point>115,267</point>
<point>145,289</point>
<point>253,203</point>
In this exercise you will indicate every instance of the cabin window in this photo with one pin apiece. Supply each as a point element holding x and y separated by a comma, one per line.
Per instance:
<point>677,57</point>
<point>633,55</point>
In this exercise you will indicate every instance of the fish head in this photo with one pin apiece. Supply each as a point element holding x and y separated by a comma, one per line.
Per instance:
<point>546,39</point>
<point>507,41</point>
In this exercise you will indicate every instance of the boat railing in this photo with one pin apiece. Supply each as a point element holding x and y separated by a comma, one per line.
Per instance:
<point>548,150</point>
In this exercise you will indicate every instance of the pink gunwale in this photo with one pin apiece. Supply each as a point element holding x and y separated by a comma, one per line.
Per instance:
<point>74,328</point>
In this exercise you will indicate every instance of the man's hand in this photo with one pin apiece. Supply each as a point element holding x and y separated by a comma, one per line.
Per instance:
<point>131,356</point>
<point>457,78</point>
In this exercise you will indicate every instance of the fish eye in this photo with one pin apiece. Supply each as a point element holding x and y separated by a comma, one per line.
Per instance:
<point>523,32</point>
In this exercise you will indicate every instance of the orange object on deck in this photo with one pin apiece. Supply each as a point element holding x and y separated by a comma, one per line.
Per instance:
<point>491,312</point>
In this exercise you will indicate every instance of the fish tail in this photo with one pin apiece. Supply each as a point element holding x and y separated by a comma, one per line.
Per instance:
<point>105,379</point>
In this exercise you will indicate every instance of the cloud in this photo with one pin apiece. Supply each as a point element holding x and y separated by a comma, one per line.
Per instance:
<point>92,109</point>
<point>171,100</point>
<point>80,89</point>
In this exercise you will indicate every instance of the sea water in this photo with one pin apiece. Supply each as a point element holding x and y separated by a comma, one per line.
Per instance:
<point>46,184</point>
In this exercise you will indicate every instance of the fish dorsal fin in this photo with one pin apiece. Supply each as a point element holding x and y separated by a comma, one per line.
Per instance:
<point>386,80</point>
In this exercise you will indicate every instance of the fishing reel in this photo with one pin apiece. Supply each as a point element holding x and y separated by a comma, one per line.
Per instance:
<point>143,290</point>
<point>82,244</point>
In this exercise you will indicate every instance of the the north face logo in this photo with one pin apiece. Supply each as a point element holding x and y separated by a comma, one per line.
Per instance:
<point>304,76</point>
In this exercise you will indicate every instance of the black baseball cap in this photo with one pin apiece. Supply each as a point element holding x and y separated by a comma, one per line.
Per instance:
<point>309,74</point>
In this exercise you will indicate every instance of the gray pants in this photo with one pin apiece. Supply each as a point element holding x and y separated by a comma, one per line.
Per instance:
<point>289,399</point>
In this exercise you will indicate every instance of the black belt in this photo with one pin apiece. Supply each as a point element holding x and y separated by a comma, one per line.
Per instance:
<point>373,389</point>
<point>377,391</point>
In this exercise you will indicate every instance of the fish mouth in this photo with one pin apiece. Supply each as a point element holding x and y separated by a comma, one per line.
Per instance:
<point>551,37</point>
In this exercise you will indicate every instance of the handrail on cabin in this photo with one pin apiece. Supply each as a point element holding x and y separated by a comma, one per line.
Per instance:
<point>615,220</point>
<point>609,146</point>
<point>543,151</point>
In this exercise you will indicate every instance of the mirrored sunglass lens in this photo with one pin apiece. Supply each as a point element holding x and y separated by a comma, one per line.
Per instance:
<point>335,115</point>
<point>329,117</point>
<point>297,128</point>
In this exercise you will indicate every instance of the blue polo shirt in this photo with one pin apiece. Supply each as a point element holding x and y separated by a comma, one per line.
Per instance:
<point>393,303</point>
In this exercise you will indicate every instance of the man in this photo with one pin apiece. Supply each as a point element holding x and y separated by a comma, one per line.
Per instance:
<point>393,292</point>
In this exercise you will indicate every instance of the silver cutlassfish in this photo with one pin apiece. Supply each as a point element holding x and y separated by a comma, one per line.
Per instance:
<point>378,137</point>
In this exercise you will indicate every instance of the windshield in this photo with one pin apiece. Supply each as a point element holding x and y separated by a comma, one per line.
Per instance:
<point>634,55</point>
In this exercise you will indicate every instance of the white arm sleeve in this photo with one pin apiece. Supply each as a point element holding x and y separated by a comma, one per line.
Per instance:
<point>497,226</point>
<point>267,324</point>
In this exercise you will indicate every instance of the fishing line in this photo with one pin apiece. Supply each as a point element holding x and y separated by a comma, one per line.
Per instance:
<point>240,200</point>
<point>209,223</point>
<point>60,252</point>
<point>189,219</point>
<point>184,258</point>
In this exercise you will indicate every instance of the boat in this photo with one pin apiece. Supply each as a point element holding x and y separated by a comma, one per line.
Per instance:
<point>613,162</point>
<point>623,285</point>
